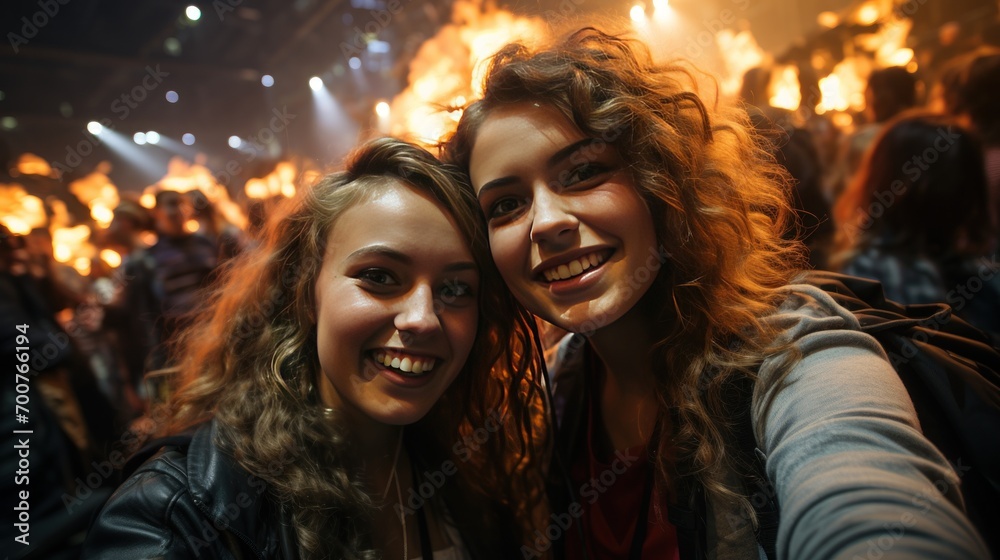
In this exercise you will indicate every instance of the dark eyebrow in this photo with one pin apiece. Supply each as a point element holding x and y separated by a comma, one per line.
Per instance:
<point>554,160</point>
<point>390,253</point>
<point>381,251</point>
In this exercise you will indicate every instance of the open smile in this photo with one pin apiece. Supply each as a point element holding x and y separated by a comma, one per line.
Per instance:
<point>576,267</point>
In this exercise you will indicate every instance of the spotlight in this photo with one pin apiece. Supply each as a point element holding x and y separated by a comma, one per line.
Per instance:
<point>139,138</point>
<point>382,109</point>
<point>354,62</point>
<point>172,96</point>
<point>235,142</point>
<point>637,13</point>
<point>95,127</point>
<point>193,13</point>
<point>267,80</point>
<point>315,83</point>
<point>152,137</point>
<point>188,139</point>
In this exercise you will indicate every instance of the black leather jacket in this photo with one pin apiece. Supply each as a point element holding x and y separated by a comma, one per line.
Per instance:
<point>197,502</point>
<point>191,503</point>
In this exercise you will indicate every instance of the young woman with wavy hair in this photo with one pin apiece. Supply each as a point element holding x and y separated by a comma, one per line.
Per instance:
<point>622,208</point>
<point>361,386</point>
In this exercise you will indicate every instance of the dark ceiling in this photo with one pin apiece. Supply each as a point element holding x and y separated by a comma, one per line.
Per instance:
<point>67,62</point>
<point>64,63</point>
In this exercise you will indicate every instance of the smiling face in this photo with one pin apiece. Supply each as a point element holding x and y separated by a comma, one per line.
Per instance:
<point>396,307</point>
<point>568,231</point>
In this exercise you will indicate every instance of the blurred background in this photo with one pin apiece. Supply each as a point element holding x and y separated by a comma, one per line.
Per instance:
<point>143,144</point>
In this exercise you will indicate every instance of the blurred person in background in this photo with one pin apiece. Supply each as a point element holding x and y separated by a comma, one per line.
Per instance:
<point>795,150</point>
<point>916,218</point>
<point>166,283</point>
<point>889,92</point>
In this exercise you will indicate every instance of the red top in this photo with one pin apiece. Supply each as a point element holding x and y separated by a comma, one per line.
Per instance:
<point>610,490</point>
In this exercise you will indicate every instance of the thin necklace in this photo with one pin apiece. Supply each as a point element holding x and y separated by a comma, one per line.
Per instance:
<point>394,478</point>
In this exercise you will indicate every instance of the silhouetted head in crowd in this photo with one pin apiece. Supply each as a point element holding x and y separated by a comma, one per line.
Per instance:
<point>922,188</point>
<point>979,91</point>
<point>171,212</point>
<point>890,91</point>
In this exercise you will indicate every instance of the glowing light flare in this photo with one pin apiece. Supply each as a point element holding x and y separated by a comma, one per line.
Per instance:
<point>844,88</point>
<point>82,265</point>
<point>182,176</point>
<point>785,89</point>
<point>828,20</point>
<point>382,109</point>
<point>868,14</point>
<point>153,137</point>
<point>147,200</point>
<point>280,182</point>
<point>638,13</point>
<point>235,142</point>
<point>188,139</point>
<point>95,128</point>
<point>192,226</point>
<point>139,138</point>
<point>267,80</point>
<point>20,212</point>
<point>450,65</point>
<point>315,83</point>
<point>193,13</point>
<point>30,164</point>
<point>740,52</point>
<point>71,244</point>
<point>111,258</point>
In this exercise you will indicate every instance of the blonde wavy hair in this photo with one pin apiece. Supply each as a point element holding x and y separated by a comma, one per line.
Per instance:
<point>250,362</point>
<point>719,203</point>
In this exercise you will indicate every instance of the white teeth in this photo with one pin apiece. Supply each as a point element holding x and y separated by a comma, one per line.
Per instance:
<point>573,268</point>
<point>407,364</point>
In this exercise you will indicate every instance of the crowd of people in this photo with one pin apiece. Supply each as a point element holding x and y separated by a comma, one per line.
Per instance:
<point>526,345</point>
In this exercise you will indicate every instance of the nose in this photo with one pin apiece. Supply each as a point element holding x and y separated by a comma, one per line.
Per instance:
<point>418,312</point>
<point>551,220</point>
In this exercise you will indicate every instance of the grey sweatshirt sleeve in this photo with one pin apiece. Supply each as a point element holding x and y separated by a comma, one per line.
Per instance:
<point>855,476</point>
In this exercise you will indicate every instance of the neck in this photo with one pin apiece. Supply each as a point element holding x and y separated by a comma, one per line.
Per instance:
<point>623,348</point>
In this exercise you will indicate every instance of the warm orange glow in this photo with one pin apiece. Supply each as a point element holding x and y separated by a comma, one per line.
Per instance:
<point>280,182</point>
<point>448,68</point>
<point>637,13</point>
<point>82,265</point>
<point>98,192</point>
<point>183,177</point>
<point>828,19</point>
<point>868,14</point>
<point>72,245</point>
<point>191,226</point>
<point>740,52</point>
<point>30,164</point>
<point>112,258</point>
<point>844,88</point>
<point>785,89</point>
<point>19,211</point>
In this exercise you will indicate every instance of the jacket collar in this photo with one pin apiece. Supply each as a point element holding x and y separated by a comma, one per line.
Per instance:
<point>233,499</point>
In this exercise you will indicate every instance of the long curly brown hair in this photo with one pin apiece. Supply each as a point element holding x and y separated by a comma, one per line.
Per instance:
<point>719,202</point>
<point>250,361</point>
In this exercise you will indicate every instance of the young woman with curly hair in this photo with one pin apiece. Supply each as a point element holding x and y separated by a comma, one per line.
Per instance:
<point>361,386</point>
<point>623,209</point>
